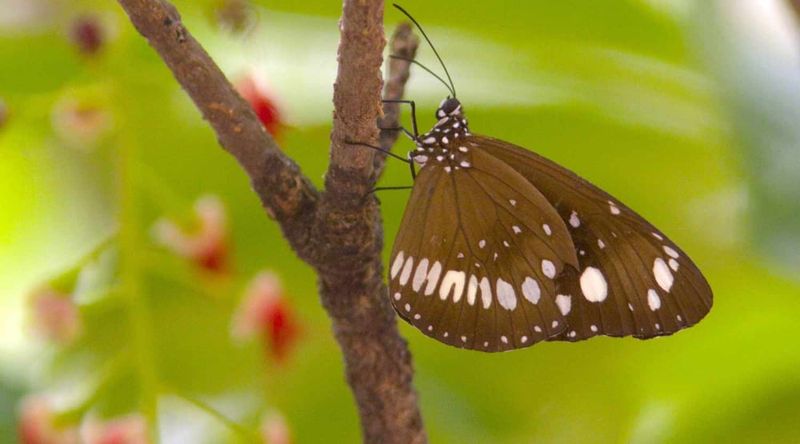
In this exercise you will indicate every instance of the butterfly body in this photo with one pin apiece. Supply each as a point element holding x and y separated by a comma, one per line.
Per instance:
<point>500,248</point>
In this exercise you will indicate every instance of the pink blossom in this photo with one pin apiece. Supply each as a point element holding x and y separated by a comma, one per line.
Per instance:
<point>37,424</point>
<point>206,245</point>
<point>54,315</point>
<point>265,312</point>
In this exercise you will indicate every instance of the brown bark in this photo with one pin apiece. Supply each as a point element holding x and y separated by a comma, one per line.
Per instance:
<point>338,231</point>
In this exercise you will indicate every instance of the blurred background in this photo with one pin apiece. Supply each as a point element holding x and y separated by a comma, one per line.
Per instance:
<point>145,295</point>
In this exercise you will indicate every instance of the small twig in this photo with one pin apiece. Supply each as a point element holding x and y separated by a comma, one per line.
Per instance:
<point>287,195</point>
<point>403,44</point>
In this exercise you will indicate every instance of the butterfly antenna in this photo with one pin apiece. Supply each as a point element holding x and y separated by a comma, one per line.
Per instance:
<point>426,69</point>
<point>422,31</point>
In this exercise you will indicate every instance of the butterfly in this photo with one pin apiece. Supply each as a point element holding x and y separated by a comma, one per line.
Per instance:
<point>500,248</point>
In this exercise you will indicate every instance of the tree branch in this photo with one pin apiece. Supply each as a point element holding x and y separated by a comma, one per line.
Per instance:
<point>377,360</point>
<point>287,195</point>
<point>338,232</point>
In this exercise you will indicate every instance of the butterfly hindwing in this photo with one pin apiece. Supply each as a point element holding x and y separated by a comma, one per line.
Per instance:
<point>477,256</point>
<point>631,279</point>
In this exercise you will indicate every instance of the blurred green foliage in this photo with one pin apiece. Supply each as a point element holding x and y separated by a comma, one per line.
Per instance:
<point>647,99</point>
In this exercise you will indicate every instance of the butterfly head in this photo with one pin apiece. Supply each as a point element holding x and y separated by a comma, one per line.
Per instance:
<point>450,107</point>
<point>443,143</point>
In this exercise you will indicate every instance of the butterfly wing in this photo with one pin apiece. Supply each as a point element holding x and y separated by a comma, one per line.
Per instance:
<point>477,256</point>
<point>631,279</point>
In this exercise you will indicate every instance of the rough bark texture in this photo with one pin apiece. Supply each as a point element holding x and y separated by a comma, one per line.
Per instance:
<point>338,231</point>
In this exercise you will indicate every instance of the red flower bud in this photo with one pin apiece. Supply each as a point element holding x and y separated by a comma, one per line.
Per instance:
<point>263,103</point>
<point>37,425</point>
<point>265,312</point>
<point>207,245</point>
<point>87,34</point>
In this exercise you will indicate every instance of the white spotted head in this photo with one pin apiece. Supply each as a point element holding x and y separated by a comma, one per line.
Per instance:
<point>450,107</point>
<point>444,144</point>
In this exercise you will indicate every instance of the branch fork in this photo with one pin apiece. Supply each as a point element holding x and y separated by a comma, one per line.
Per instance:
<point>337,231</point>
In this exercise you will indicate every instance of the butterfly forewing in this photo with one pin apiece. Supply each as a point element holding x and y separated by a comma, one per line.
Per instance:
<point>631,279</point>
<point>476,260</point>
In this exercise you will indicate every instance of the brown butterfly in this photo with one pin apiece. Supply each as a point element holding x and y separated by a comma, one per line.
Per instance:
<point>500,248</point>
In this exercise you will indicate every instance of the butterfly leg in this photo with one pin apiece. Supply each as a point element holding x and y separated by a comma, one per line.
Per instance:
<point>413,113</point>
<point>399,128</point>
<point>376,189</point>
<point>377,148</point>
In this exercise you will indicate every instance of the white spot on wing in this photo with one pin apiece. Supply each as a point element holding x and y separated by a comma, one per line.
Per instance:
<point>397,264</point>
<point>397,296</point>
<point>613,208</point>
<point>564,302</point>
<point>408,307</point>
<point>653,300</point>
<point>481,243</point>
<point>547,229</point>
<point>406,273</point>
<point>573,220</point>
<point>452,279</point>
<point>672,253</point>
<point>433,278</point>
<point>420,274</point>
<point>593,328</point>
<point>658,236</point>
<point>505,295</point>
<point>594,285</point>
<point>486,292</point>
<point>601,244</point>
<point>512,202</point>
<point>662,274</point>
<point>673,264</point>
<point>472,289</point>
<point>516,229</point>
<point>504,339</point>
<point>548,268</point>
<point>531,290</point>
